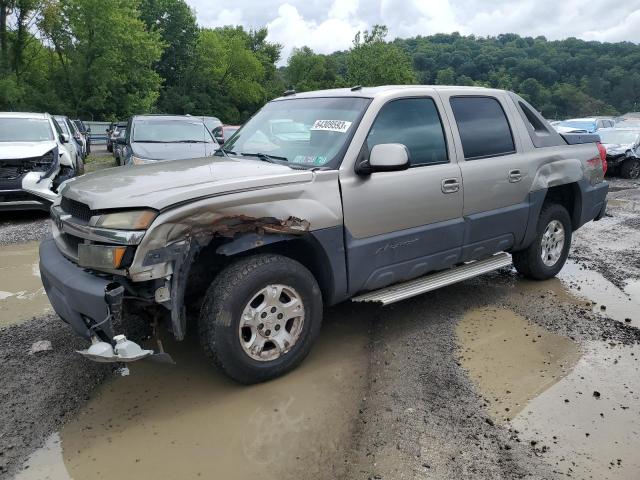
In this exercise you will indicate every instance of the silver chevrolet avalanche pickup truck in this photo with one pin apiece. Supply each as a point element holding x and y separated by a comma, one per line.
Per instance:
<point>370,194</point>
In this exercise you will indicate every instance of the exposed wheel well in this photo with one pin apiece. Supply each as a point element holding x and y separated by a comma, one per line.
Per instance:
<point>568,196</point>
<point>208,263</point>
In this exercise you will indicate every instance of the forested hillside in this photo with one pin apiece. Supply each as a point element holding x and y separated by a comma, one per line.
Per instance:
<point>108,59</point>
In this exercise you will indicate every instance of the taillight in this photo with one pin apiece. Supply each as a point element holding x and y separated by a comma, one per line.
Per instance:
<point>603,156</point>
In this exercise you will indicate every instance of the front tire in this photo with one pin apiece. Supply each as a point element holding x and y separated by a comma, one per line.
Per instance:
<point>260,317</point>
<point>548,252</point>
<point>630,168</point>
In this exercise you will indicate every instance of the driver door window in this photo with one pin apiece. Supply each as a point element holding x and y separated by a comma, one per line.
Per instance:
<point>415,123</point>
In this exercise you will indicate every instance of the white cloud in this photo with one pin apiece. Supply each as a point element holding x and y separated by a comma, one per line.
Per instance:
<point>326,26</point>
<point>336,32</point>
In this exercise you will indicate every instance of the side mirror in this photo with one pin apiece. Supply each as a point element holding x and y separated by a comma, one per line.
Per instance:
<point>218,135</point>
<point>386,157</point>
<point>88,129</point>
<point>64,138</point>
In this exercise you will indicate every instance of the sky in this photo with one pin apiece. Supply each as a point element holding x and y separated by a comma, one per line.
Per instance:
<point>330,25</point>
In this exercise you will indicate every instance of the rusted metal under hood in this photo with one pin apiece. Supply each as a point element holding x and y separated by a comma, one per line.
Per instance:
<point>161,184</point>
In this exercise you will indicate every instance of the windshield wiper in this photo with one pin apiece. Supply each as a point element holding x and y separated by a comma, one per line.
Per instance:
<point>265,157</point>
<point>149,141</point>
<point>186,141</point>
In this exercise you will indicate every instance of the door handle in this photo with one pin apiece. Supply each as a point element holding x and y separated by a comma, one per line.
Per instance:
<point>450,185</point>
<point>515,176</point>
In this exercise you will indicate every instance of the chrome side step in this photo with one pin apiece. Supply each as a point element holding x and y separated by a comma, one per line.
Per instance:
<point>411,288</point>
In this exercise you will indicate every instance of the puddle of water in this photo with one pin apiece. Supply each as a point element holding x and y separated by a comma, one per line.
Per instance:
<point>22,295</point>
<point>592,286</point>
<point>188,421</point>
<point>511,359</point>
<point>46,463</point>
<point>589,436</point>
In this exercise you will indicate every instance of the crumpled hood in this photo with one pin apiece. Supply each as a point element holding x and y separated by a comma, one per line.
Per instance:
<point>172,151</point>
<point>17,150</point>
<point>617,148</point>
<point>165,183</point>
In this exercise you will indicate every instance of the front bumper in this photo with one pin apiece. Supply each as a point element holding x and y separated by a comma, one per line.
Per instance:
<point>77,296</point>
<point>21,200</point>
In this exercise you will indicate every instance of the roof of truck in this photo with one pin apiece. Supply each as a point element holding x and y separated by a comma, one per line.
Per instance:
<point>371,92</point>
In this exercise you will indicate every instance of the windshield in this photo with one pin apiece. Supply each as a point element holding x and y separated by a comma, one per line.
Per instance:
<point>25,130</point>
<point>171,131</point>
<point>579,125</point>
<point>307,131</point>
<point>618,136</point>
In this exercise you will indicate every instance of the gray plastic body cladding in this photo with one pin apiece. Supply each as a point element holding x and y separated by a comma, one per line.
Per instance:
<point>494,231</point>
<point>593,199</point>
<point>381,260</point>
<point>72,291</point>
<point>331,241</point>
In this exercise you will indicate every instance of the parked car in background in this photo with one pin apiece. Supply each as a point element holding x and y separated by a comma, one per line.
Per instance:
<point>224,132</point>
<point>588,125</point>
<point>112,132</point>
<point>623,150</point>
<point>33,160</point>
<point>119,145</point>
<point>211,122</point>
<point>86,133</point>
<point>74,147</point>
<point>79,139</point>
<point>394,192</point>
<point>150,138</point>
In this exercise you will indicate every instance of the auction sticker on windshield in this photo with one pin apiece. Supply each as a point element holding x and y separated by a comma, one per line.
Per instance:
<point>331,125</point>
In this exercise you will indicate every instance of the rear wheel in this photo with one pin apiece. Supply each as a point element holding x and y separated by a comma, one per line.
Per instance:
<point>630,168</point>
<point>260,317</point>
<point>546,255</point>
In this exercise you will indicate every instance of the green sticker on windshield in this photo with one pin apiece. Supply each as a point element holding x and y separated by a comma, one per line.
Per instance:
<point>311,160</point>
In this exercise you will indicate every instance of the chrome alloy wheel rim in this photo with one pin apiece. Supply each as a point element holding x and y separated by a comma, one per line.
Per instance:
<point>271,322</point>
<point>552,243</point>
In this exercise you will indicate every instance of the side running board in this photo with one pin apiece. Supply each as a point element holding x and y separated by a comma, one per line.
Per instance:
<point>411,288</point>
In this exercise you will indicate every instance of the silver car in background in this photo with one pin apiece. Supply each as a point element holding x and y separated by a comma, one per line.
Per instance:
<point>623,150</point>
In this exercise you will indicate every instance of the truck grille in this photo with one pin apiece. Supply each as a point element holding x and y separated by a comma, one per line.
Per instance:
<point>76,209</point>
<point>12,169</point>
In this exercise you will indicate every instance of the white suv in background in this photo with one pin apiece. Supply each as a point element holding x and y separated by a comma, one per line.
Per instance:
<point>34,160</point>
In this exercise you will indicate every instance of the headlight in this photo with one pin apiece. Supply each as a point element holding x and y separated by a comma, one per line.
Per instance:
<point>130,220</point>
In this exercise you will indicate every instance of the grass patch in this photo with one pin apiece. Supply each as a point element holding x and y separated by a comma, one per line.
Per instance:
<point>98,162</point>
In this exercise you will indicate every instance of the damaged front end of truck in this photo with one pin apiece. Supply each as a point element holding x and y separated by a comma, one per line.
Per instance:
<point>98,278</point>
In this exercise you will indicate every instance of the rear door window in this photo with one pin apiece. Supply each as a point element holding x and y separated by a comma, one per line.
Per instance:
<point>483,127</point>
<point>415,123</point>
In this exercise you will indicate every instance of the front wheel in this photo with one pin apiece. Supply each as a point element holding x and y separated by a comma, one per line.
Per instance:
<point>260,317</point>
<point>546,255</point>
<point>630,168</point>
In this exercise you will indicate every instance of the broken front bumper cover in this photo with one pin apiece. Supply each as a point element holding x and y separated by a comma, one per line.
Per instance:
<point>91,305</point>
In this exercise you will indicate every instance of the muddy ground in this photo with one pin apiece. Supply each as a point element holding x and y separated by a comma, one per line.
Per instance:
<point>496,377</point>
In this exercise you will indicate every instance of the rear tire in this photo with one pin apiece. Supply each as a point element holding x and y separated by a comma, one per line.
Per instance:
<point>79,166</point>
<point>260,317</point>
<point>630,168</point>
<point>548,252</point>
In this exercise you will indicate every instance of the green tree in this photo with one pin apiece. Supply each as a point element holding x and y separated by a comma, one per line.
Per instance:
<point>228,75</point>
<point>307,70</point>
<point>372,61</point>
<point>176,23</point>
<point>106,56</point>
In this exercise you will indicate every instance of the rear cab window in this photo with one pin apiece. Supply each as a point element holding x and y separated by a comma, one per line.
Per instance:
<point>415,123</point>
<point>483,127</point>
